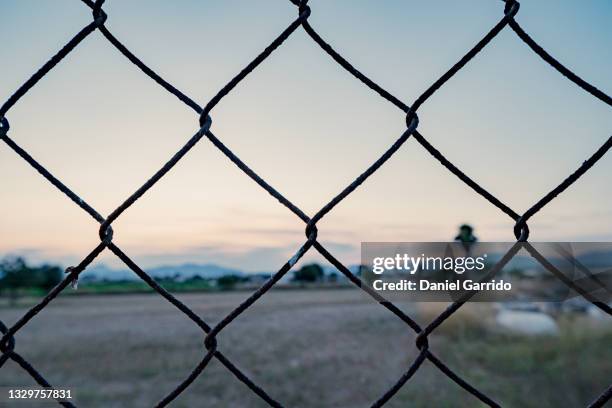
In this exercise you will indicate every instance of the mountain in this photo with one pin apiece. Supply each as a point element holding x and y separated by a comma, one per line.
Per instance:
<point>190,270</point>
<point>184,271</point>
<point>101,271</point>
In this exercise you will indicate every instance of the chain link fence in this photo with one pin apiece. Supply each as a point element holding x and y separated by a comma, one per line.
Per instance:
<point>211,349</point>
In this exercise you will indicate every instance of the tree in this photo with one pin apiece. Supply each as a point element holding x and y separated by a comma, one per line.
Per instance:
<point>15,275</point>
<point>309,273</point>
<point>366,274</point>
<point>228,282</point>
<point>14,272</point>
<point>46,277</point>
<point>466,237</point>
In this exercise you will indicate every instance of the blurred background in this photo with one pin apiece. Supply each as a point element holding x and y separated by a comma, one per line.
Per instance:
<point>210,234</point>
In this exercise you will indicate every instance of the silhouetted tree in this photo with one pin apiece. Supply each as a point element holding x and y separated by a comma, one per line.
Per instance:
<point>466,237</point>
<point>227,282</point>
<point>308,273</point>
<point>46,276</point>
<point>14,271</point>
<point>15,275</point>
<point>366,274</point>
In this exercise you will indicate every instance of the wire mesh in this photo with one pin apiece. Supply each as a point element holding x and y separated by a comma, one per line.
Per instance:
<point>210,333</point>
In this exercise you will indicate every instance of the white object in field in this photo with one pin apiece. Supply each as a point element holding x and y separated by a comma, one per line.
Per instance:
<point>528,323</point>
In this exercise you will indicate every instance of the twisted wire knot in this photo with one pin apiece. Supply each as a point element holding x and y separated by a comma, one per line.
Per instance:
<point>7,344</point>
<point>422,341</point>
<point>106,233</point>
<point>98,14</point>
<point>303,7</point>
<point>4,127</point>
<point>311,230</point>
<point>205,123</point>
<point>412,120</point>
<point>210,342</point>
<point>511,7</point>
<point>521,229</point>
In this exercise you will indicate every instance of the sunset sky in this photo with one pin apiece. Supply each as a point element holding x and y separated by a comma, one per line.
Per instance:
<point>305,125</point>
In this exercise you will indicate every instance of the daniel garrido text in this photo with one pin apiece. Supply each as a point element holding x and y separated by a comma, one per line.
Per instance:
<point>446,286</point>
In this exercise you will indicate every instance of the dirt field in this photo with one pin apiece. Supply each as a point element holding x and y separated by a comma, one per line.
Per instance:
<point>310,348</point>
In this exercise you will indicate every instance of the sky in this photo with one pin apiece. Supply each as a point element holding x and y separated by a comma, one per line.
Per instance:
<point>509,120</point>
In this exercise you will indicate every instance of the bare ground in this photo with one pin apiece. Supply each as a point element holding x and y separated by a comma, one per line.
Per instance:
<point>306,348</point>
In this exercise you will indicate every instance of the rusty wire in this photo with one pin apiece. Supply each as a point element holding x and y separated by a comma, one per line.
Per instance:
<point>210,333</point>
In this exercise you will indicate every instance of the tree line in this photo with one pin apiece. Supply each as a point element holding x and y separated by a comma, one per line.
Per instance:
<point>17,277</point>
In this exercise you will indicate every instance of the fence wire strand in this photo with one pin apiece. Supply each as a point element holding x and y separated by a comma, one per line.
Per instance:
<point>210,347</point>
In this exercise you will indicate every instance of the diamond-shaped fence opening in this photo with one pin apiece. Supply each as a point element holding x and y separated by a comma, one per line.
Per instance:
<point>211,349</point>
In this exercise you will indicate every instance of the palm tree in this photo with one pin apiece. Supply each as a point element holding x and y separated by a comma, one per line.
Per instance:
<point>466,237</point>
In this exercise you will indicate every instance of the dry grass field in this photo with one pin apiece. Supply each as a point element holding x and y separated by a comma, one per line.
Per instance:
<point>307,348</point>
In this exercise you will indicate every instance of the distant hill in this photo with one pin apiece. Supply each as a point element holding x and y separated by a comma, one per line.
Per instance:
<point>184,271</point>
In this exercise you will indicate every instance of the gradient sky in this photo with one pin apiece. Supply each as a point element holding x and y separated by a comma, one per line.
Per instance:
<point>508,120</point>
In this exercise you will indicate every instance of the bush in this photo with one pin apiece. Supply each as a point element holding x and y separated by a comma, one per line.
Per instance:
<point>16,275</point>
<point>309,273</point>
<point>228,282</point>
